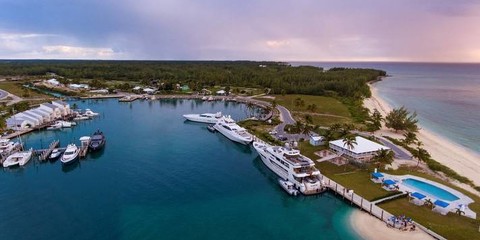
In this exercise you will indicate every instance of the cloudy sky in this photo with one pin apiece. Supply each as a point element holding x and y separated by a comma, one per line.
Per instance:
<point>284,30</point>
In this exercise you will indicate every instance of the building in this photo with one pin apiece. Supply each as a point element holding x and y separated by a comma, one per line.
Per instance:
<point>149,90</point>
<point>46,116</point>
<point>53,82</point>
<point>54,110</point>
<point>18,123</point>
<point>363,150</point>
<point>78,86</point>
<point>64,107</point>
<point>316,140</point>
<point>221,92</point>
<point>100,91</point>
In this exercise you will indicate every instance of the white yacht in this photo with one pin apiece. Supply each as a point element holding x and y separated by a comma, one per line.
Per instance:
<point>291,166</point>
<point>227,126</point>
<point>19,158</point>
<point>204,118</point>
<point>90,113</point>
<point>70,154</point>
<point>7,146</point>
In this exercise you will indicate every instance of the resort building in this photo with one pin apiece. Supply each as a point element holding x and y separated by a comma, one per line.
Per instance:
<point>54,110</point>
<point>362,150</point>
<point>45,113</point>
<point>53,82</point>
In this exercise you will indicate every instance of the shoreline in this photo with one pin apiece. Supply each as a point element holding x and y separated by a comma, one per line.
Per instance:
<point>371,228</point>
<point>460,159</point>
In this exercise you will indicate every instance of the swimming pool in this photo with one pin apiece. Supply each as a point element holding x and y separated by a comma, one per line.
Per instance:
<point>429,189</point>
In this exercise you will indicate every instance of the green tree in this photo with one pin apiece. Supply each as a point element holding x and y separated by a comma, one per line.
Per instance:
<point>384,156</point>
<point>349,141</point>
<point>421,155</point>
<point>376,120</point>
<point>308,119</point>
<point>410,137</point>
<point>402,119</point>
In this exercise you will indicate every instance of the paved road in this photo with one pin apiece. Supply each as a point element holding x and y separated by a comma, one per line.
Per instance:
<point>399,153</point>
<point>287,118</point>
<point>3,94</point>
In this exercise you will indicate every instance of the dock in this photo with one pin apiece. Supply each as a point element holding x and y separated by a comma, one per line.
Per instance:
<point>44,155</point>
<point>367,206</point>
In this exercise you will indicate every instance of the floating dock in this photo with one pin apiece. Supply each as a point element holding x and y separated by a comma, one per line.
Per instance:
<point>44,155</point>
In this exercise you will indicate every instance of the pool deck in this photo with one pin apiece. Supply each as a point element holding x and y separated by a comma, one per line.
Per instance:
<point>463,199</point>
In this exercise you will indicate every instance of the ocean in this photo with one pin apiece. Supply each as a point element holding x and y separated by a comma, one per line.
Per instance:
<point>446,96</point>
<point>159,177</point>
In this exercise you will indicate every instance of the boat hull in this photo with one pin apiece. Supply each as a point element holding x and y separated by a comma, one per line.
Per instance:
<point>195,118</point>
<point>96,147</point>
<point>232,137</point>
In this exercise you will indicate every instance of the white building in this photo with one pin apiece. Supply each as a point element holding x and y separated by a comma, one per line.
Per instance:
<point>363,150</point>
<point>53,82</point>
<point>18,123</point>
<point>64,107</point>
<point>317,140</point>
<point>221,92</point>
<point>149,90</point>
<point>54,110</point>
<point>78,86</point>
<point>34,119</point>
<point>100,91</point>
<point>46,116</point>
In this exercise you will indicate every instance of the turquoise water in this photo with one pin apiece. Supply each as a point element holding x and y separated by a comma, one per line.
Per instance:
<point>430,189</point>
<point>446,96</point>
<point>159,178</point>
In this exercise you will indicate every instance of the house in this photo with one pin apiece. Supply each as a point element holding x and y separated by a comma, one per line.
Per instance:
<point>221,92</point>
<point>53,82</point>
<point>100,91</point>
<point>149,90</point>
<point>316,140</point>
<point>64,107</point>
<point>206,91</point>
<point>137,88</point>
<point>78,86</point>
<point>363,150</point>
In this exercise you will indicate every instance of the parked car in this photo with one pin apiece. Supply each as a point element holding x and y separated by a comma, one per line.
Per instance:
<point>282,138</point>
<point>273,132</point>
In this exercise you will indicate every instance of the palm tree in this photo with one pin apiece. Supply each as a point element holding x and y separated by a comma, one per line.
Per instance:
<point>349,141</point>
<point>298,127</point>
<point>410,137</point>
<point>384,156</point>
<point>307,129</point>
<point>428,202</point>
<point>421,155</point>
<point>459,211</point>
<point>308,119</point>
<point>335,127</point>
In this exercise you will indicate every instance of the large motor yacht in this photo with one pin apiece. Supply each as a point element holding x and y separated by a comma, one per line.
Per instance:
<point>291,166</point>
<point>70,154</point>
<point>7,146</point>
<point>19,158</point>
<point>204,118</point>
<point>227,126</point>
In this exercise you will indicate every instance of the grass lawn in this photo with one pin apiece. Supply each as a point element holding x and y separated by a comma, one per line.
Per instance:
<point>354,178</point>
<point>16,88</point>
<point>451,226</point>
<point>325,105</point>
<point>322,120</point>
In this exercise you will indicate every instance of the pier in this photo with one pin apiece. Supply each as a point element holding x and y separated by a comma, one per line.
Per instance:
<point>44,155</point>
<point>367,206</point>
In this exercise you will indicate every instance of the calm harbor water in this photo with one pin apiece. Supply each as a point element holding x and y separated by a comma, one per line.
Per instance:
<point>159,178</point>
<point>446,96</point>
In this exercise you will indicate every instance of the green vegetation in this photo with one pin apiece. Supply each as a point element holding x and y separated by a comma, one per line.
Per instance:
<point>431,163</point>
<point>402,119</point>
<point>324,105</point>
<point>279,77</point>
<point>451,226</point>
<point>17,88</point>
<point>260,129</point>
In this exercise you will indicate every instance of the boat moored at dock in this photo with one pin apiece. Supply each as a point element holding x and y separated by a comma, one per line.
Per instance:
<point>227,126</point>
<point>291,166</point>
<point>204,117</point>
<point>97,141</point>
<point>70,154</point>
<point>56,153</point>
<point>18,158</point>
<point>288,187</point>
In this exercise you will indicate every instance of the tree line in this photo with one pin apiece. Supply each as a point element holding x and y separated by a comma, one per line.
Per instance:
<point>281,78</point>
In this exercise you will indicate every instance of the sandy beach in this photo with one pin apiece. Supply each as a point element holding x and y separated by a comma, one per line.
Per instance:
<point>462,160</point>
<point>371,228</point>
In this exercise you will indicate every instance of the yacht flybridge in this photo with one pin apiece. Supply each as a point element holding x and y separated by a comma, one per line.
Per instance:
<point>204,118</point>
<point>227,126</point>
<point>291,166</point>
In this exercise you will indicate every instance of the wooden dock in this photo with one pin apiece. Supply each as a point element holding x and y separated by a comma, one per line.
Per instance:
<point>365,205</point>
<point>44,155</point>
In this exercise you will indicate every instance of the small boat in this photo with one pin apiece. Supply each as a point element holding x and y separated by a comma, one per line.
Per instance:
<point>19,158</point>
<point>64,124</point>
<point>90,113</point>
<point>210,98</point>
<point>56,153</point>
<point>204,98</point>
<point>55,126</point>
<point>211,128</point>
<point>70,154</point>
<point>97,141</point>
<point>288,187</point>
<point>80,117</point>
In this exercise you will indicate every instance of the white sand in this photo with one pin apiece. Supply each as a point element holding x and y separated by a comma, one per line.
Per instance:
<point>369,227</point>
<point>462,160</point>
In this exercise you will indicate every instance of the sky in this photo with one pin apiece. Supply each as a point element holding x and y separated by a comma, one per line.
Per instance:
<point>278,30</point>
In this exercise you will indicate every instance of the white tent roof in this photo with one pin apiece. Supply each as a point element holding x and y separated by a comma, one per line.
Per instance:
<point>363,145</point>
